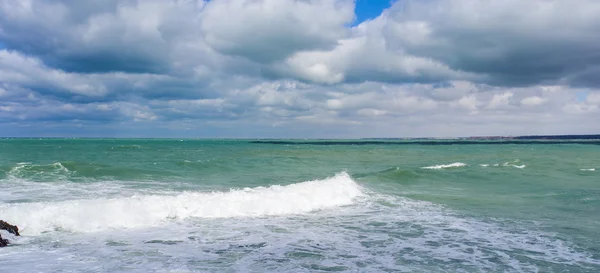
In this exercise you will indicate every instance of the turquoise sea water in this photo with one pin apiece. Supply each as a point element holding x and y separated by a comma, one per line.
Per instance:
<point>151,205</point>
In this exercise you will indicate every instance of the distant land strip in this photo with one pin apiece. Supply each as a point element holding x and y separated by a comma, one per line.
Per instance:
<point>499,140</point>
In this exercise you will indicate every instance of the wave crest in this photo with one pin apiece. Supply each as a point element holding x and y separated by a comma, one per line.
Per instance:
<point>54,170</point>
<point>151,210</point>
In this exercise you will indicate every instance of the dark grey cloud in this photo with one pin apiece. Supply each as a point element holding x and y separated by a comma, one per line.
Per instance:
<point>149,36</point>
<point>271,30</point>
<point>99,36</point>
<point>511,42</point>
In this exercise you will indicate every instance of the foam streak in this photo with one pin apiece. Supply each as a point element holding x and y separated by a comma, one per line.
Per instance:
<point>453,165</point>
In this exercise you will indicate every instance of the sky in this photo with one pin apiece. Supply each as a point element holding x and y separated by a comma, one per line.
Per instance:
<point>298,68</point>
<point>369,9</point>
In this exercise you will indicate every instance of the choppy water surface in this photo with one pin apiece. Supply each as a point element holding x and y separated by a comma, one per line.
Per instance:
<point>237,206</point>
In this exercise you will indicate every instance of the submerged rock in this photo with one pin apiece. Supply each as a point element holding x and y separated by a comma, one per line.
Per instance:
<point>11,229</point>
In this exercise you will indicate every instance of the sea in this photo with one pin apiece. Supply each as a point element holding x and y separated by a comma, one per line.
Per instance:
<point>233,205</point>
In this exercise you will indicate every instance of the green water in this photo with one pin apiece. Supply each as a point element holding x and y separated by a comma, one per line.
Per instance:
<point>553,189</point>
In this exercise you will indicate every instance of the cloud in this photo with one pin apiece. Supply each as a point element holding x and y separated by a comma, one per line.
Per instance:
<point>516,43</point>
<point>508,43</point>
<point>533,101</point>
<point>271,30</point>
<point>593,98</point>
<point>469,102</point>
<point>511,42</point>
<point>26,71</point>
<point>366,56</point>
<point>297,68</point>
<point>500,100</point>
<point>355,110</point>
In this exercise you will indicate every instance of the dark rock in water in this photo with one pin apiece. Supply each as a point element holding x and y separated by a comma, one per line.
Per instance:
<point>3,242</point>
<point>10,228</point>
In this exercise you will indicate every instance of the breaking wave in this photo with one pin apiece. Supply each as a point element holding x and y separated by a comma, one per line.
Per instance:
<point>90,215</point>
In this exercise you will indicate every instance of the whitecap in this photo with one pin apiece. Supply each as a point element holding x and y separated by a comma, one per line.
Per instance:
<point>453,165</point>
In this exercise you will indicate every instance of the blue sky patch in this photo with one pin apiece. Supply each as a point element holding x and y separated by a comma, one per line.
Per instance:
<point>369,9</point>
<point>582,96</point>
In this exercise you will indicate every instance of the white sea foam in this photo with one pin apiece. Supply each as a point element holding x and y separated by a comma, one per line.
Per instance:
<point>588,170</point>
<point>506,164</point>
<point>90,215</point>
<point>453,165</point>
<point>54,170</point>
<point>376,233</point>
<point>22,190</point>
<point>514,164</point>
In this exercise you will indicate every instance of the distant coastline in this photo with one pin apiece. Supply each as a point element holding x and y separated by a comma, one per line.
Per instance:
<point>528,137</point>
<point>501,140</point>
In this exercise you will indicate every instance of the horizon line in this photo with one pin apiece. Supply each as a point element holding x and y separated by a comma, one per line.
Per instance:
<point>564,136</point>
